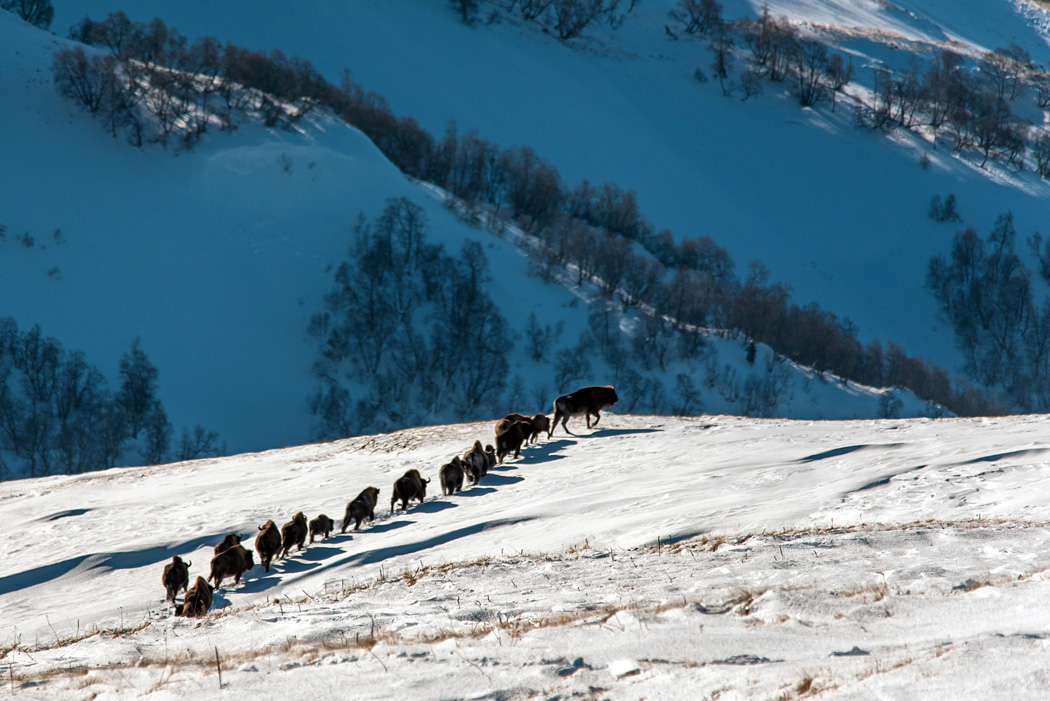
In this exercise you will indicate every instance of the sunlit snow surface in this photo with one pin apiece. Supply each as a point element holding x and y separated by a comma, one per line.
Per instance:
<point>650,557</point>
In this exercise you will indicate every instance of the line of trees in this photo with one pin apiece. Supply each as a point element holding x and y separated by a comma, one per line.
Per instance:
<point>985,292</point>
<point>596,229</point>
<point>58,415</point>
<point>408,333</point>
<point>150,84</point>
<point>39,13</point>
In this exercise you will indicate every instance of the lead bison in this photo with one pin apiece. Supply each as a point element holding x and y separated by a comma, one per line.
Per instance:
<point>176,576</point>
<point>409,486</point>
<point>267,543</point>
<point>232,562</point>
<point>293,533</point>
<point>589,401</point>
<point>197,600</point>
<point>363,506</point>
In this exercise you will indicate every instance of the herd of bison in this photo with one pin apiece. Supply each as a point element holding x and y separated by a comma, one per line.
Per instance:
<point>512,432</point>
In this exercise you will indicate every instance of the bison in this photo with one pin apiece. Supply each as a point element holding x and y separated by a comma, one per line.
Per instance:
<point>475,463</point>
<point>228,542</point>
<point>510,436</point>
<point>451,475</point>
<point>176,576</point>
<point>197,600</point>
<point>267,543</point>
<point>490,457</point>
<point>293,533</point>
<point>321,526</point>
<point>409,486</point>
<point>540,424</point>
<point>364,505</point>
<point>231,563</point>
<point>589,401</point>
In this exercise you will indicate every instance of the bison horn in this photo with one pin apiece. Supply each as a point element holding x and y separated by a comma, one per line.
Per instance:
<point>427,480</point>
<point>189,563</point>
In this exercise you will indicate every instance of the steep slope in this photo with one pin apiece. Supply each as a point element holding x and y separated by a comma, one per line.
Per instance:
<point>836,213</point>
<point>215,259</point>
<point>650,555</point>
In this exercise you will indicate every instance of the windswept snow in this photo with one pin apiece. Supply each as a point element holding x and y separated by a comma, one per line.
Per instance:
<point>652,557</point>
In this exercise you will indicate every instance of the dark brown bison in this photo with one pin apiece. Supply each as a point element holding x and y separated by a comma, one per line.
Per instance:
<point>527,427</point>
<point>490,457</point>
<point>451,475</point>
<point>228,542</point>
<point>475,463</point>
<point>540,424</point>
<point>321,526</point>
<point>176,576</point>
<point>409,486</point>
<point>267,543</point>
<point>510,436</point>
<point>364,505</point>
<point>197,600</point>
<point>231,563</point>
<point>589,401</point>
<point>293,533</point>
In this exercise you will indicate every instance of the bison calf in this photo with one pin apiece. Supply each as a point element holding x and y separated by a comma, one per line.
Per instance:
<point>267,543</point>
<point>589,401</point>
<point>293,533</point>
<point>540,424</point>
<point>231,563</point>
<point>197,600</point>
<point>409,486</point>
<point>363,505</point>
<point>321,526</point>
<point>176,576</point>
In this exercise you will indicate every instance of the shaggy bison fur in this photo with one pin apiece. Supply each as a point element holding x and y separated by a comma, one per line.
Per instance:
<point>409,486</point>
<point>267,543</point>
<point>451,475</point>
<point>228,542</point>
<point>197,600</point>
<point>176,576</point>
<point>475,463</point>
<point>321,526</point>
<point>293,533</point>
<point>589,401</point>
<point>231,563</point>
<point>510,436</point>
<point>363,506</point>
<point>540,424</point>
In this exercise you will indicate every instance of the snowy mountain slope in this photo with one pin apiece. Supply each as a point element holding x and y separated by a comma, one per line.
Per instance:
<point>216,258</point>
<point>838,214</point>
<point>856,559</point>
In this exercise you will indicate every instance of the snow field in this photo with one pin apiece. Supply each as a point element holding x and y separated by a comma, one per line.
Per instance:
<point>897,558</point>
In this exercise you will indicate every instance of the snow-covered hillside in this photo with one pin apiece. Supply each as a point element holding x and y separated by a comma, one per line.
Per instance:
<point>651,557</point>
<point>838,214</point>
<point>215,259</point>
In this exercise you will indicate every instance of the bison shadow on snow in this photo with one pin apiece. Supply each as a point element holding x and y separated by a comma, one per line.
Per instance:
<point>477,491</point>
<point>378,555</point>
<point>542,452</point>
<point>388,524</point>
<point>493,480</point>
<point>432,507</point>
<point>124,560</point>
<point>611,432</point>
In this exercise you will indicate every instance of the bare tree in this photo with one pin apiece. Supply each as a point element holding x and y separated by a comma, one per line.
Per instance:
<point>39,13</point>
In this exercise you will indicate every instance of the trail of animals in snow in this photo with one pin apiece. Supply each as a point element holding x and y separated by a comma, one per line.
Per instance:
<point>649,557</point>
